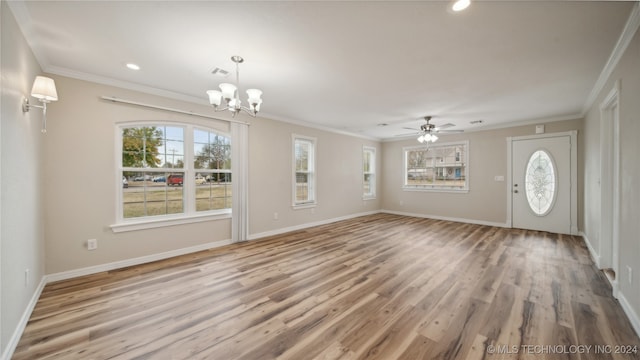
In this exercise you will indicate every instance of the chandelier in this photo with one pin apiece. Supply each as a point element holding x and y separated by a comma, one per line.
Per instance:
<point>230,94</point>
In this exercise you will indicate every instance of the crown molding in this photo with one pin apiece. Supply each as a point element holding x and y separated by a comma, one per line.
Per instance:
<point>505,125</point>
<point>629,31</point>
<point>56,70</point>
<point>321,127</point>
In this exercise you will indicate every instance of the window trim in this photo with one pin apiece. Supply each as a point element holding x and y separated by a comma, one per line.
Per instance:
<point>434,188</point>
<point>313,181</point>
<point>372,173</point>
<point>189,215</point>
<point>167,220</point>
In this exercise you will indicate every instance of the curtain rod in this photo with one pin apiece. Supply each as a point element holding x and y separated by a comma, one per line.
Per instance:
<point>115,99</point>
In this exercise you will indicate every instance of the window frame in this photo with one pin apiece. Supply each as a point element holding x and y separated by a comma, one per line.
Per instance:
<point>433,187</point>
<point>311,169</point>
<point>372,172</point>
<point>211,171</point>
<point>189,214</point>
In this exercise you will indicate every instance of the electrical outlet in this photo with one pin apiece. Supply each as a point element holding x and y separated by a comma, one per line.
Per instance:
<point>630,274</point>
<point>92,244</point>
<point>26,277</point>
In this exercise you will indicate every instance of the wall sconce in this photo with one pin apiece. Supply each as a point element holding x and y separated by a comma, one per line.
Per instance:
<point>44,89</point>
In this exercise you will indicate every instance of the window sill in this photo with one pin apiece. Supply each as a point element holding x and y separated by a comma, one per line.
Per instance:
<point>431,189</point>
<point>135,225</point>
<point>304,206</point>
<point>369,197</point>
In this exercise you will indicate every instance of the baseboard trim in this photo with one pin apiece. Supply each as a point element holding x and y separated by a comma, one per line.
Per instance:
<point>308,225</point>
<point>22,324</point>
<point>594,256</point>
<point>631,314</point>
<point>65,275</point>
<point>447,218</point>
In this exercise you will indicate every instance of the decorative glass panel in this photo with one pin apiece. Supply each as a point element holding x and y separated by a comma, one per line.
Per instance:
<point>540,182</point>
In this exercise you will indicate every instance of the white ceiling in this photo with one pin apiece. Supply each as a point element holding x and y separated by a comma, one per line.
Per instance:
<point>344,65</point>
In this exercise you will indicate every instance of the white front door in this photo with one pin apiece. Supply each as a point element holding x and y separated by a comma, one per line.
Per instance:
<point>541,183</point>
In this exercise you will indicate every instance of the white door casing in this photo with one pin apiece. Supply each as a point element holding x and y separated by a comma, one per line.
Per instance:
<point>608,246</point>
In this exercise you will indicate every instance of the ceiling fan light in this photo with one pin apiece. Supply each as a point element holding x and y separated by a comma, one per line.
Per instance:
<point>421,139</point>
<point>228,91</point>
<point>460,5</point>
<point>433,138</point>
<point>215,97</point>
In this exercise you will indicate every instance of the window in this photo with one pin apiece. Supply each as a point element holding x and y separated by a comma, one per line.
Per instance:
<point>212,164</point>
<point>369,172</point>
<point>150,156</point>
<point>441,167</point>
<point>304,177</point>
<point>156,179</point>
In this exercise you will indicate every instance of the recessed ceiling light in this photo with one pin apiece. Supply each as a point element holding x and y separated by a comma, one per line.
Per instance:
<point>460,5</point>
<point>133,66</point>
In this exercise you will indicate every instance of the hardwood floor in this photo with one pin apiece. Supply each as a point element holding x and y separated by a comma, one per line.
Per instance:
<point>374,287</point>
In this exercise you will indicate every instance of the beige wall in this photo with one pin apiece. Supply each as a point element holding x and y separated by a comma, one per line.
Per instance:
<point>486,201</point>
<point>21,230</point>
<point>339,171</point>
<point>58,189</point>
<point>80,194</point>
<point>80,189</point>
<point>628,72</point>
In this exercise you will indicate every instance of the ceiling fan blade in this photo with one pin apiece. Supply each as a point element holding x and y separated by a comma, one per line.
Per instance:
<point>444,126</point>
<point>450,131</point>
<point>407,128</point>
<point>410,134</point>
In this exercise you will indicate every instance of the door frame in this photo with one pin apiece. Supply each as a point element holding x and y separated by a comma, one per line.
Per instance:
<point>608,246</point>
<point>573,137</point>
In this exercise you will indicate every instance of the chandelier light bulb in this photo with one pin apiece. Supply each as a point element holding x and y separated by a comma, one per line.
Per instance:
<point>254,96</point>
<point>234,104</point>
<point>215,97</point>
<point>255,107</point>
<point>228,91</point>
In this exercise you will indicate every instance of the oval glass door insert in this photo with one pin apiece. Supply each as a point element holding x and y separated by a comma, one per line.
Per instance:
<point>540,182</point>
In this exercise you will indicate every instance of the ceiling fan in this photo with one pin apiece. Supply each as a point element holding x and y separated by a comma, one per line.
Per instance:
<point>428,130</point>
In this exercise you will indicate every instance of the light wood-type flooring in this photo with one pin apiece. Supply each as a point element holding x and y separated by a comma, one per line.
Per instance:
<point>374,287</point>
